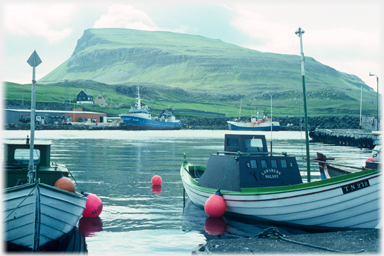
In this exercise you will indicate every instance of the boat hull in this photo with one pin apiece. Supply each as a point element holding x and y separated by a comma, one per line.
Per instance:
<point>36,214</point>
<point>349,201</point>
<point>138,123</point>
<point>239,126</point>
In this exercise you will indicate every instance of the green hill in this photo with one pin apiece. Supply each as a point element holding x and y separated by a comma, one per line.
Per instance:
<point>223,72</point>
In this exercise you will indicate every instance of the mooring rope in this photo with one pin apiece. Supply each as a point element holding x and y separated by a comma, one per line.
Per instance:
<point>75,181</point>
<point>274,232</point>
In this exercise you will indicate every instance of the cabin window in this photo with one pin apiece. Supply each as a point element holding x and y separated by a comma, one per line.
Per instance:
<point>254,144</point>
<point>22,155</point>
<point>264,163</point>
<point>283,163</point>
<point>233,142</point>
<point>274,163</point>
<point>253,164</point>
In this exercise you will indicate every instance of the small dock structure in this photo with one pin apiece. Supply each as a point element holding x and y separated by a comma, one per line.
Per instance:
<point>347,137</point>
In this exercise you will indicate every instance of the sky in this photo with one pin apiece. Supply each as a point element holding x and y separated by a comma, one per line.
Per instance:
<point>345,35</point>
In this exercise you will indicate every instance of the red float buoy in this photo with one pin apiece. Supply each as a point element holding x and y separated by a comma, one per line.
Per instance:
<point>94,205</point>
<point>370,160</point>
<point>156,180</point>
<point>215,225</point>
<point>65,184</point>
<point>215,205</point>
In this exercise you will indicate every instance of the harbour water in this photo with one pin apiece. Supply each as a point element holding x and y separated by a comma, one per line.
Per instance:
<point>118,166</point>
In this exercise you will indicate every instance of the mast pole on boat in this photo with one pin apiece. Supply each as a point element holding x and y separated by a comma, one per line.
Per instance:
<point>271,123</point>
<point>138,98</point>
<point>34,60</point>
<point>241,102</point>
<point>299,32</point>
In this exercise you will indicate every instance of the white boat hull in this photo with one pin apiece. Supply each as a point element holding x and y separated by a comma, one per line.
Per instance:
<point>36,214</point>
<point>265,126</point>
<point>323,204</point>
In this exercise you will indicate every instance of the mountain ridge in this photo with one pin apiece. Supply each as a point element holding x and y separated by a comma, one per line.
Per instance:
<point>196,63</point>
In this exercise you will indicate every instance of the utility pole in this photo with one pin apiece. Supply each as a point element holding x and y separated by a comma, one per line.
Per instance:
<point>299,32</point>
<point>377,82</point>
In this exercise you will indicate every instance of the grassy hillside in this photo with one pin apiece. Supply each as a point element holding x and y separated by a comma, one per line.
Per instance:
<point>121,97</point>
<point>184,70</point>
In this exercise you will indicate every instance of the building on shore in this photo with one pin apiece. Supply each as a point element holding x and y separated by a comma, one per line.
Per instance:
<point>14,116</point>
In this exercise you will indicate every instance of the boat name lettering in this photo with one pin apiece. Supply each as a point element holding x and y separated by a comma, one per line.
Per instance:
<point>270,174</point>
<point>355,186</point>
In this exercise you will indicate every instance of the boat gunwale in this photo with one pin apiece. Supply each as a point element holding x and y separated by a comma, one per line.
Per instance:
<point>37,183</point>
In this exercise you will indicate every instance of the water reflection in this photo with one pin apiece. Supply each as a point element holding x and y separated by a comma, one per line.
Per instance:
<point>139,218</point>
<point>90,226</point>
<point>195,219</point>
<point>156,189</point>
<point>215,225</point>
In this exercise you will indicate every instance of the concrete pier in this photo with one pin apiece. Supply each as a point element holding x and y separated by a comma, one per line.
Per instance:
<point>346,137</point>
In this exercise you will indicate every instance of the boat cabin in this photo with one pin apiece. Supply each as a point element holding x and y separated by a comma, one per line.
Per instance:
<point>16,161</point>
<point>246,163</point>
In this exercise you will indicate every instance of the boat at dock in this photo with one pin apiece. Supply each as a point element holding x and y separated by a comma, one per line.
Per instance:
<point>262,185</point>
<point>329,170</point>
<point>36,214</point>
<point>139,118</point>
<point>256,124</point>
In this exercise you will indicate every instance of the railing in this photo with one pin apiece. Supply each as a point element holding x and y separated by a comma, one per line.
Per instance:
<point>250,153</point>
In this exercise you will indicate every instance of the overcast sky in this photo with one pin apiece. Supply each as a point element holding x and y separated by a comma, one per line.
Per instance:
<point>346,35</point>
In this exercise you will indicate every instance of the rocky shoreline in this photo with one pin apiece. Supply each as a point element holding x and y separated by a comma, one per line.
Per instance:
<point>219,123</point>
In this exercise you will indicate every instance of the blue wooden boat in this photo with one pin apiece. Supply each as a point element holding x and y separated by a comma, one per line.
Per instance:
<point>36,213</point>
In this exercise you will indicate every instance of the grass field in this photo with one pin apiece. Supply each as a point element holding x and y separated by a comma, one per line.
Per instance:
<point>285,104</point>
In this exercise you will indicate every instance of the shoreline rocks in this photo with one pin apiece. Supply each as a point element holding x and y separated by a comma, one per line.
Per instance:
<point>218,123</point>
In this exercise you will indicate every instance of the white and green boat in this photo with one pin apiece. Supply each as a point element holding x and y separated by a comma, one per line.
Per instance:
<point>262,185</point>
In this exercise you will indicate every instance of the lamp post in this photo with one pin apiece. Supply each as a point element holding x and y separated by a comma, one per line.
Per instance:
<point>361,103</point>
<point>300,32</point>
<point>377,82</point>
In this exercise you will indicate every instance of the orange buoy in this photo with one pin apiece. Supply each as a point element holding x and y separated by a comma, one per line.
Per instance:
<point>215,225</point>
<point>156,189</point>
<point>93,207</point>
<point>156,180</point>
<point>215,205</point>
<point>65,184</point>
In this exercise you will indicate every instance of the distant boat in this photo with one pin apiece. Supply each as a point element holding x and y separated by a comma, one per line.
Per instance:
<point>139,118</point>
<point>256,124</point>
<point>262,185</point>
